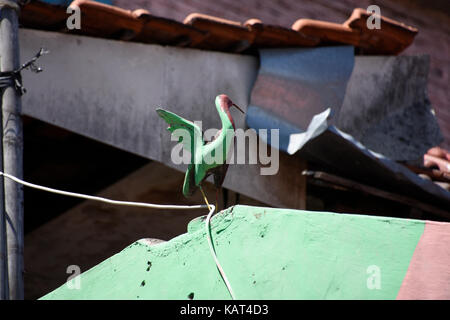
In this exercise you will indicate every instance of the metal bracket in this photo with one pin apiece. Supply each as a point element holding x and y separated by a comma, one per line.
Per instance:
<point>9,4</point>
<point>14,78</point>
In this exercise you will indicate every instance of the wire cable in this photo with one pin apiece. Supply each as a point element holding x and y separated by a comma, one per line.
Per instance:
<point>101,199</point>
<point>211,208</point>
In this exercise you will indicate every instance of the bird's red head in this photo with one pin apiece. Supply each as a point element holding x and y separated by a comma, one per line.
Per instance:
<point>225,104</point>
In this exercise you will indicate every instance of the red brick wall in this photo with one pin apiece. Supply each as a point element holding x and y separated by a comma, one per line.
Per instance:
<point>431,20</point>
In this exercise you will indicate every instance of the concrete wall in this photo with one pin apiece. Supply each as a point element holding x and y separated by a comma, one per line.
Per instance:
<point>109,90</point>
<point>430,17</point>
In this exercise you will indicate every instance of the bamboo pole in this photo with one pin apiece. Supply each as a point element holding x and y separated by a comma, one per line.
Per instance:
<point>12,148</point>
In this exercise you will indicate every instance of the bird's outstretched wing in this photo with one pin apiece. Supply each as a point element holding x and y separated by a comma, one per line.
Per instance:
<point>189,186</point>
<point>190,139</point>
<point>191,130</point>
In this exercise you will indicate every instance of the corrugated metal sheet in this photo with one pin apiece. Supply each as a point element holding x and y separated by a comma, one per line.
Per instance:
<point>296,84</point>
<point>327,145</point>
<point>321,142</point>
<point>384,106</point>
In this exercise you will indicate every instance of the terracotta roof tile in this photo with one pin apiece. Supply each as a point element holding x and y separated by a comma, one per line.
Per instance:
<point>222,34</point>
<point>435,167</point>
<point>270,36</point>
<point>213,33</point>
<point>432,161</point>
<point>43,16</point>
<point>327,32</point>
<point>392,38</point>
<point>102,20</point>
<point>439,153</point>
<point>166,31</point>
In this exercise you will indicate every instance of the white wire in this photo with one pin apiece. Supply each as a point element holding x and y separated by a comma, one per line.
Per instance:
<point>213,253</point>
<point>100,199</point>
<point>212,208</point>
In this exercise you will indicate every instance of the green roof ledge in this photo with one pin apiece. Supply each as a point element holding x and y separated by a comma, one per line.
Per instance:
<point>267,253</point>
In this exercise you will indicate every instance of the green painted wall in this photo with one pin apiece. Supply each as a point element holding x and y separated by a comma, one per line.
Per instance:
<point>267,254</point>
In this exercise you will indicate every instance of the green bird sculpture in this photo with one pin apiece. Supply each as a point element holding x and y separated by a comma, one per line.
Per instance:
<point>207,157</point>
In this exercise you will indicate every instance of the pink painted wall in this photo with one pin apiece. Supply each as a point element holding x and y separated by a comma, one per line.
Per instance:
<point>428,275</point>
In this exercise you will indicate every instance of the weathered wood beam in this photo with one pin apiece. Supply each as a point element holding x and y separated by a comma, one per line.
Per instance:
<point>347,184</point>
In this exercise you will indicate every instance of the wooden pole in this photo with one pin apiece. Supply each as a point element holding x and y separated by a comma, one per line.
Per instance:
<point>12,148</point>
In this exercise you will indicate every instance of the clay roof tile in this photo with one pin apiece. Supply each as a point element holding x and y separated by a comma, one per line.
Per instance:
<point>213,33</point>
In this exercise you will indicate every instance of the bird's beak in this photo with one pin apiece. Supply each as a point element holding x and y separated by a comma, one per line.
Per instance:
<point>237,107</point>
